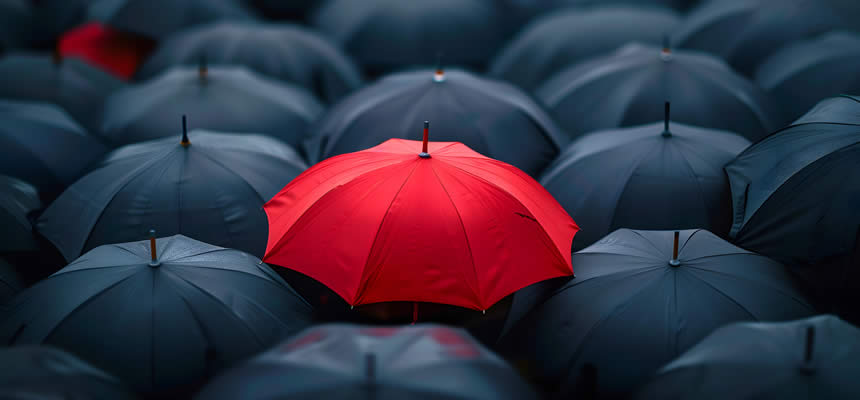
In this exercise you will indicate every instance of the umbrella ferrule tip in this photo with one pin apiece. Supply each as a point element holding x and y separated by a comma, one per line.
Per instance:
<point>439,76</point>
<point>155,263</point>
<point>674,262</point>
<point>424,154</point>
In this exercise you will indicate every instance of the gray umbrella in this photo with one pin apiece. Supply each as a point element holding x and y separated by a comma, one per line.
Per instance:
<point>814,358</point>
<point>43,372</point>
<point>341,361</point>
<point>213,189</point>
<point>230,99</point>
<point>72,84</point>
<point>629,87</point>
<point>648,177</point>
<point>162,321</point>
<point>640,299</point>
<point>16,18</point>
<point>289,53</point>
<point>806,72</point>
<point>17,200</point>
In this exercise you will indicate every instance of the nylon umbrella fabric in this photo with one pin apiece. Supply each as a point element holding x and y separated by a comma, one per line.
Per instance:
<point>11,282</point>
<point>74,85</point>
<point>491,117</point>
<point>388,35</point>
<point>343,361</point>
<point>629,88</point>
<point>15,16</point>
<point>212,189</point>
<point>42,145</point>
<point>560,39</point>
<point>293,10</point>
<point>628,311</point>
<point>161,328</point>
<point>56,17</point>
<point>643,178</point>
<point>18,200</point>
<point>289,53</point>
<point>43,372</point>
<point>114,51</point>
<point>813,358</point>
<point>806,72</point>
<point>386,224</point>
<point>230,99</point>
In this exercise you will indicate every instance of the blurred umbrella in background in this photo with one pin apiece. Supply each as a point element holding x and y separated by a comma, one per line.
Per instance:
<point>18,200</point>
<point>647,177</point>
<point>556,41</point>
<point>10,282</point>
<point>630,86</point>
<point>162,315</point>
<point>56,17</point>
<point>388,35</point>
<point>636,304</point>
<point>814,358</point>
<point>114,51</point>
<point>491,117</point>
<point>291,9</point>
<point>208,186</point>
<point>44,146</point>
<point>43,372</point>
<point>289,53</point>
<point>16,21</point>
<point>70,83</point>
<point>341,361</point>
<point>230,99</point>
<point>806,72</point>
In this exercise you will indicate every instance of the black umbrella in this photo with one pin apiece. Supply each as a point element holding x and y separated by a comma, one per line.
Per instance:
<point>209,186</point>
<point>795,197</point>
<point>42,372</point>
<point>386,35</point>
<point>16,18</point>
<point>228,99</point>
<point>44,146</point>
<point>161,315</point>
<point>158,19</point>
<point>72,84</point>
<point>629,87</point>
<point>340,361</point>
<point>493,118</point>
<point>646,177</point>
<point>56,17</point>
<point>558,40</point>
<point>17,200</point>
<point>292,9</point>
<point>10,282</point>
<point>745,32</point>
<point>807,72</point>
<point>814,358</point>
<point>284,52</point>
<point>638,300</point>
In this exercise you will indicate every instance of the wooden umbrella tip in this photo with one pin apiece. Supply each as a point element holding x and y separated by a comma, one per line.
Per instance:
<point>674,261</point>
<point>154,262</point>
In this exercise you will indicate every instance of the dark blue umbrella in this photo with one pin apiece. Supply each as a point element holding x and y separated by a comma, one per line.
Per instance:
<point>285,52</point>
<point>638,300</point>
<point>209,186</point>
<point>162,315</point>
<point>551,43</point>
<point>292,9</point>
<point>813,358</point>
<point>340,361</point>
<point>16,20</point>
<point>806,72</point>
<point>18,200</point>
<point>491,117</point>
<point>10,282</point>
<point>629,87</point>
<point>56,17</point>
<point>229,99</point>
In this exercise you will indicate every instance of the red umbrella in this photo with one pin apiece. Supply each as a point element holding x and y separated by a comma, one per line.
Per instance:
<point>446,226</point>
<point>117,52</point>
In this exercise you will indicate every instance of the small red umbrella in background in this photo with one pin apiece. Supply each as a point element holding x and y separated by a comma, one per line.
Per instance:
<point>117,52</point>
<point>443,225</point>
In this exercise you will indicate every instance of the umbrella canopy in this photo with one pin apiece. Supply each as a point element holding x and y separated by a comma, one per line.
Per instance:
<point>11,282</point>
<point>446,226</point>
<point>635,304</point>
<point>161,315</point>
<point>647,177</point>
<point>159,19</point>
<point>491,117</point>
<point>802,74</point>
<point>284,52</point>
<point>44,146</point>
<point>42,372</point>
<point>17,200</point>
<point>56,17</point>
<point>745,32</point>
<point>228,99</point>
<point>629,87</point>
<point>114,51</point>
<point>210,186</point>
<point>340,361</point>
<point>280,9</point>
<point>386,35</point>
<point>558,40</point>
<point>15,19</point>
<point>814,358</point>
<point>72,84</point>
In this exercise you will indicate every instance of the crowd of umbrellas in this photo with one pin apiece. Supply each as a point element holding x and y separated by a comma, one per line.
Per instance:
<point>447,199</point>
